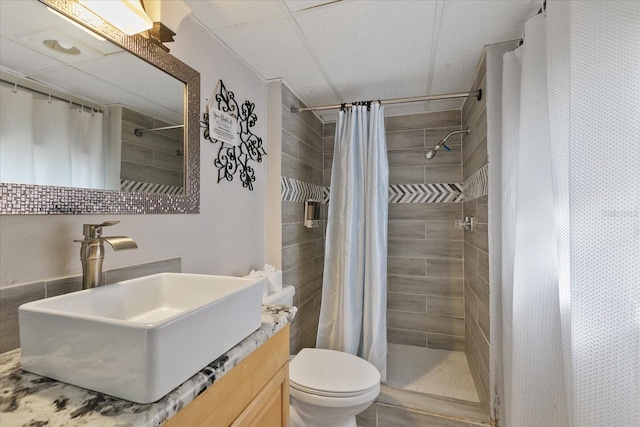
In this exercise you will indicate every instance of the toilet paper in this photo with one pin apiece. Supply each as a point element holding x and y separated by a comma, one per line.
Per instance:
<point>265,282</point>
<point>274,276</point>
<point>275,280</point>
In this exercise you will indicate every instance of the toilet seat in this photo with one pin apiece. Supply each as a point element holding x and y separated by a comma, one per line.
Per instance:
<point>334,402</point>
<point>332,374</point>
<point>330,393</point>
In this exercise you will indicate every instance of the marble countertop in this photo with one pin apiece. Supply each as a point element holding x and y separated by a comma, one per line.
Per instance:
<point>30,400</point>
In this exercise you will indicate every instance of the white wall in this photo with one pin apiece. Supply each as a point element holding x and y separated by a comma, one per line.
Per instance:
<point>227,237</point>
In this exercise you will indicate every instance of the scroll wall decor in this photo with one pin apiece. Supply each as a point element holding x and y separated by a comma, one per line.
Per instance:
<point>230,124</point>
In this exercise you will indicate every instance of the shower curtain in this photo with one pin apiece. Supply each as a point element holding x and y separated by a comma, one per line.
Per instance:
<point>354,293</point>
<point>570,218</point>
<point>88,165</point>
<point>45,141</point>
<point>51,153</point>
<point>16,136</point>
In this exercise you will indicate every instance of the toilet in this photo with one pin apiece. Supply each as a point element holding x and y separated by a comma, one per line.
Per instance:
<point>327,387</point>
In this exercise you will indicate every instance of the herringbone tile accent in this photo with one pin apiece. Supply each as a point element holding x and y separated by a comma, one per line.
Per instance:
<point>477,185</point>
<point>292,190</point>
<point>149,187</point>
<point>425,193</point>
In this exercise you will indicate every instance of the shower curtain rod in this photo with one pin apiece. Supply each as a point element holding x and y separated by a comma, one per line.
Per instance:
<point>474,93</point>
<point>139,131</point>
<point>52,94</point>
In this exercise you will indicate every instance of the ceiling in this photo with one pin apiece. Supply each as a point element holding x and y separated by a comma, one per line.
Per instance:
<point>330,52</point>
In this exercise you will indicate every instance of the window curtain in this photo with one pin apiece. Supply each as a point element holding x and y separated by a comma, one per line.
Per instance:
<point>354,294</point>
<point>571,232</point>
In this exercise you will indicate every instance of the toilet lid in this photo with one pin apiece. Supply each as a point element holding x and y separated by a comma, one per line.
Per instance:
<point>332,373</point>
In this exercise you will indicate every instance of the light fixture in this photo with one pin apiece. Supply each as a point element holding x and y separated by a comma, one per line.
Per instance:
<point>126,15</point>
<point>166,17</point>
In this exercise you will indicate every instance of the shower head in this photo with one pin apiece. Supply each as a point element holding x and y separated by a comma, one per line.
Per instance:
<point>432,153</point>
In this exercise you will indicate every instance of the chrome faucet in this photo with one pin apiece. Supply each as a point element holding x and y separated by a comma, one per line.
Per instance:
<point>92,251</point>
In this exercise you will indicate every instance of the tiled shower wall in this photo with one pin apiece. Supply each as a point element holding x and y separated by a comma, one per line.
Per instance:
<point>152,157</point>
<point>425,268</point>
<point>302,248</point>
<point>476,246</point>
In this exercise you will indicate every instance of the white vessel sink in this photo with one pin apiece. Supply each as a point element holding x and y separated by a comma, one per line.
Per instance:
<point>138,339</point>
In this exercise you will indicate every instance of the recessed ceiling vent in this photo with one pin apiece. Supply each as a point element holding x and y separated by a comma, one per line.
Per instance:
<point>61,47</point>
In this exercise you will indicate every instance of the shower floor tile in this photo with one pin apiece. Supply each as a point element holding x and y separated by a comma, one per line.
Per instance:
<point>440,372</point>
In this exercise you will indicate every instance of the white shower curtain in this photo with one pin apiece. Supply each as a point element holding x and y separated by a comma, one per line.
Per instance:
<point>354,293</point>
<point>571,233</point>
<point>45,141</point>
<point>51,147</point>
<point>88,166</point>
<point>16,136</point>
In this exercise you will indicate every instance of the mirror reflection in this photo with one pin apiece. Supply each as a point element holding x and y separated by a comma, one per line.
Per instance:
<point>71,103</point>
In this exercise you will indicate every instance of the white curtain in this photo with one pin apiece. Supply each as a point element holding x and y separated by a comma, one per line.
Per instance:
<point>354,294</point>
<point>45,141</point>
<point>571,233</point>
<point>16,136</point>
<point>52,149</point>
<point>87,150</point>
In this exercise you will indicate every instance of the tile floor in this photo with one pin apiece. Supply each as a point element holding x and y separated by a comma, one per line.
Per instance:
<point>439,372</point>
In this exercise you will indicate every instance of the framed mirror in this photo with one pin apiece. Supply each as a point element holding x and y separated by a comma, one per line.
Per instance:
<point>93,121</point>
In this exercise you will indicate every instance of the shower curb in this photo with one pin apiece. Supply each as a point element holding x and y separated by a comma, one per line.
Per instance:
<point>472,413</point>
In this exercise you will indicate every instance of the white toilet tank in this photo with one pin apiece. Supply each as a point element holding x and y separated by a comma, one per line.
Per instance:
<point>282,297</point>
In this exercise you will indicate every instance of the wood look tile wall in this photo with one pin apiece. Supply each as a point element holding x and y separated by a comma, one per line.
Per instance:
<point>302,248</point>
<point>425,264</point>
<point>476,247</point>
<point>151,157</point>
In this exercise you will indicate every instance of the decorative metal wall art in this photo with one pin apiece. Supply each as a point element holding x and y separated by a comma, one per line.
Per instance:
<point>235,159</point>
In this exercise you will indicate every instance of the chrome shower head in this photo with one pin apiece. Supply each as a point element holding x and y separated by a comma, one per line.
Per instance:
<point>432,153</point>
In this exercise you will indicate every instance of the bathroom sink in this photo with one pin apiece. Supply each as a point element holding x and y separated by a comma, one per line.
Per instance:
<point>138,339</point>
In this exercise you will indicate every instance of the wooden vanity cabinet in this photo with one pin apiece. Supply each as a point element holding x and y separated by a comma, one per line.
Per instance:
<point>254,393</point>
